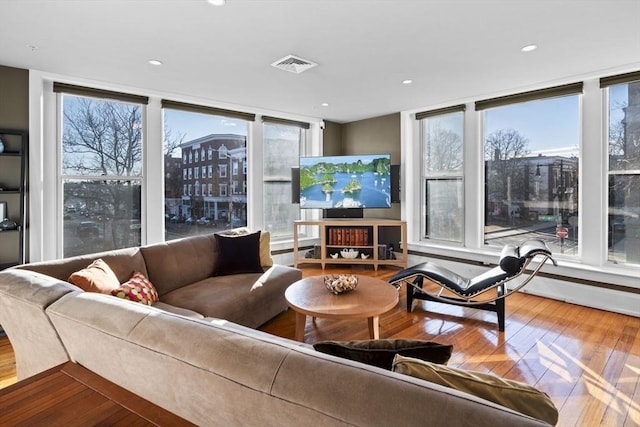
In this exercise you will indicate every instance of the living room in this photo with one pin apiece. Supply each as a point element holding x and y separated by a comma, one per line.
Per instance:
<point>598,260</point>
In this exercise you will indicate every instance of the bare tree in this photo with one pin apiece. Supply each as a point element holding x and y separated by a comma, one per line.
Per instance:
<point>505,144</point>
<point>172,142</point>
<point>505,175</point>
<point>172,165</point>
<point>104,139</point>
<point>444,150</point>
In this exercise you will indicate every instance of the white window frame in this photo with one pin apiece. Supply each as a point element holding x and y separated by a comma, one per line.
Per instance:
<point>44,240</point>
<point>61,177</point>
<point>426,176</point>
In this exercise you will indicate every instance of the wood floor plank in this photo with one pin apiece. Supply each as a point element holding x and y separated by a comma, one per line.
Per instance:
<point>590,392</point>
<point>587,360</point>
<point>628,385</point>
<point>622,378</point>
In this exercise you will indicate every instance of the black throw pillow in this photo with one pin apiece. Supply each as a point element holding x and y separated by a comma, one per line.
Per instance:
<point>380,353</point>
<point>238,254</point>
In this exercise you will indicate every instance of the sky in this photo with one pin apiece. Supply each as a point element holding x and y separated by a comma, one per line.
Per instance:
<point>552,126</point>
<point>548,124</point>
<point>195,125</point>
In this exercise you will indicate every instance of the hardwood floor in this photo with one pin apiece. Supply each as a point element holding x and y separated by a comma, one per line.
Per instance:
<point>7,363</point>
<point>587,360</point>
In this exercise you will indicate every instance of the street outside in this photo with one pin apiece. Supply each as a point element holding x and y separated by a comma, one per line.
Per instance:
<point>546,231</point>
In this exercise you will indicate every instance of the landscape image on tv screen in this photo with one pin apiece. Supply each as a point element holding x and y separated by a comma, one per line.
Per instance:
<point>355,181</point>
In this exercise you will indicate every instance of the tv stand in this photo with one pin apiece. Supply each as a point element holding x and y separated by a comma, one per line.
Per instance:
<point>361,235</point>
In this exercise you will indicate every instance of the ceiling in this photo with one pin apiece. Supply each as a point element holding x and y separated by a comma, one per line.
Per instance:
<point>453,50</point>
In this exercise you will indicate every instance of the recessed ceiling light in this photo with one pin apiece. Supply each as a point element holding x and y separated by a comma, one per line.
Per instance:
<point>407,82</point>
<point>529,48</point>
<point>325,104</point>
<point>154,62</point>
<point>217,2</point>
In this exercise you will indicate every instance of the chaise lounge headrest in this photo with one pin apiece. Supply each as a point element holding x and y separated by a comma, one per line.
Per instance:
<point>513,258</point>
<point>510,261</point>
<point>532,247</point>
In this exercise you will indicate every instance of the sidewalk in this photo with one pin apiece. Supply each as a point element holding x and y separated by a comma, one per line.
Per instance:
<point>496,232</point>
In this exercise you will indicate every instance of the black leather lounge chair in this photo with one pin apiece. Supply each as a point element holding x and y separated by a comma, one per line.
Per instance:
<point>470,292</point>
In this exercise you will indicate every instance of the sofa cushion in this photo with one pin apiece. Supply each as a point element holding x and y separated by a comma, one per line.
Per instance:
<point>176,263</point>
<point>516,395</point>
<point>248,299</point>
<point>265,243</point>
<point>381,352</point>
<point>265,249</point>
<point>96,277</point>
<point>138,289</point>
<point>239,254</point>
<point>123,262</point>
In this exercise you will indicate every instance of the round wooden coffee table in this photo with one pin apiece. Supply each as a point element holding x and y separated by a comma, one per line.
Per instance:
<point>372,297</point>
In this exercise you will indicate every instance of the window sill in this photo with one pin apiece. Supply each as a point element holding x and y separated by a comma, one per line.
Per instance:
<point>567,269</point>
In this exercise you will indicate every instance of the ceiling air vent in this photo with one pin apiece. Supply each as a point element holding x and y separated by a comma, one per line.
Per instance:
<point>293,64</point>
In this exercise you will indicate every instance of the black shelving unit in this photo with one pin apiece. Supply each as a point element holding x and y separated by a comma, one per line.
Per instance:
<point>13,181</point>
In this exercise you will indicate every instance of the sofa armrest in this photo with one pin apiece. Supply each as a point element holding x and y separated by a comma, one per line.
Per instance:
<point>24,298</point>
<point>277,275</point>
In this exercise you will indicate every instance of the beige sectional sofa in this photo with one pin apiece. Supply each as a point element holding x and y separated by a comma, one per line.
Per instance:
<point>197,354</point>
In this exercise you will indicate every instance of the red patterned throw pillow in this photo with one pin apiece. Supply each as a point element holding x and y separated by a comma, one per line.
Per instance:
<point>138,289</point>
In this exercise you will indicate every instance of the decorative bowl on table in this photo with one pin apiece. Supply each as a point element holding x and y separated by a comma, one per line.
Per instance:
<point>341,283</point>
<point>349,253</point>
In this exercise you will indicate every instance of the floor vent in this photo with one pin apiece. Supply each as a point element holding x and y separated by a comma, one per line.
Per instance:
<point>293,64</point>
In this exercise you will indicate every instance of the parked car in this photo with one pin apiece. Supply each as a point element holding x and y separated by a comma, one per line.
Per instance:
<point>190,221</point>
<point>203,221</point>
<point>176,219</point>
<point>88,229</point>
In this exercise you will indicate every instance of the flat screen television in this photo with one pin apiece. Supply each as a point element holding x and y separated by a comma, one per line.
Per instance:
<point>359,181</point>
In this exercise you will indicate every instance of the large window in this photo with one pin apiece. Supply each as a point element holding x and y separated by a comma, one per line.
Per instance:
<point>442,174</point>
<point>624,172</point>
<point>101,171</point>
<point>192,132</point>
<point>531,157</point>
<point>283,142</point>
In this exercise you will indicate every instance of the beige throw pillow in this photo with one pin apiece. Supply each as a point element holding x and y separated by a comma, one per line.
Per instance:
<point>96,277</point>
<point>515,395</point>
